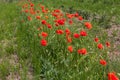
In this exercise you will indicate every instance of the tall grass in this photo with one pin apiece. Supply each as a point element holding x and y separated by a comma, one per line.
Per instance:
<point>8,26</point>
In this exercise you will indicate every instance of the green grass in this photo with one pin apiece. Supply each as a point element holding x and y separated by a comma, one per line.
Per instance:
<point>101,11</point>
<point>8,23</point>
<point>8,26</point>
<point>100,7</point>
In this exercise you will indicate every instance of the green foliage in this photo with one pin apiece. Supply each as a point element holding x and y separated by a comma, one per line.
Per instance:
<point>102,11</point>
<point>4,70</point>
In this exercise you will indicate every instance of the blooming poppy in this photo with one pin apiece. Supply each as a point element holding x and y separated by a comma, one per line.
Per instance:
<point>54,14</point>
<point>83,33</point>
<point>96,39</point>
<point>80,18</point>
<point>108,44</point>
<point>44,11</point>
<point>42,7</point>
<point>26,11</point>
<point>57,11</point>
<point>56,24</point>
<point>103,62</point>
<point>76,35</point>
<point>61,21</point>
<point>88,25</point>
<point>67,31</point>
<point>100,46</point>
<point>44,34</point>
<point>70,16</point>
<point>37,17</point>
<point>49,26</point>
<point>44,22</point>
<point>70,48</point>
<point>32,11</point>
<point>43,42</point>
<point>82,51</point>
<point>31,4</point>
<point>70,22</point>
<point>112,76</point>
<point>59,31</point>
<point>76,14</point>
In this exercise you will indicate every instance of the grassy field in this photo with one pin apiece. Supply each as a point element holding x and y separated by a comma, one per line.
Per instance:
<point>23,58</point>
<point>105,11</point>
<point>8,22</point>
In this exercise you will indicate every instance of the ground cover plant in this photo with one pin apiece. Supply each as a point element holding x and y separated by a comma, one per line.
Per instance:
<point>62,46</point>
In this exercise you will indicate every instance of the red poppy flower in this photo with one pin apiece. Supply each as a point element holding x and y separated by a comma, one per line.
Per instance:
<point>44,34</point>
<point>76,35</point>
<point>76,14</point>
<point>43,42</point>
<point>82,51</point>
<point>112,76</point>
<point>37,17</point>
<point>49,26</point>
<point>31,4</point>
<point>26,11</point>
<point>56,24</point>
<point>42,7</point>
<point>67,31</point>
<point>96,39</point>
<point>70,16</point>
<point>32,12</point>
<point>103,62</point>
<point>83,33</point>
<point>80,18</point>
<point>44,22</point>
<point>61,21</point>
<point>44,11</point>
<point>59,31</point>
<point>88,25</point>
<point>108,44</point>
<point>57,11</point>
<point>70,48</point>
<point>54,14</point>
<point>100,46</point>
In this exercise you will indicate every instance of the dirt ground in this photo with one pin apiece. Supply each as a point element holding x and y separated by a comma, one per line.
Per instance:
<point>114,36</point>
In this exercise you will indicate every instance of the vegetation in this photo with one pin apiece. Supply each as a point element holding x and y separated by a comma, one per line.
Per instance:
<point>72,45</point>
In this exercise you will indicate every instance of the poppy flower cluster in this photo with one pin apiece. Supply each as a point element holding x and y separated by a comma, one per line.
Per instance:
<point>82,51</point>
<point>60,24</point>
